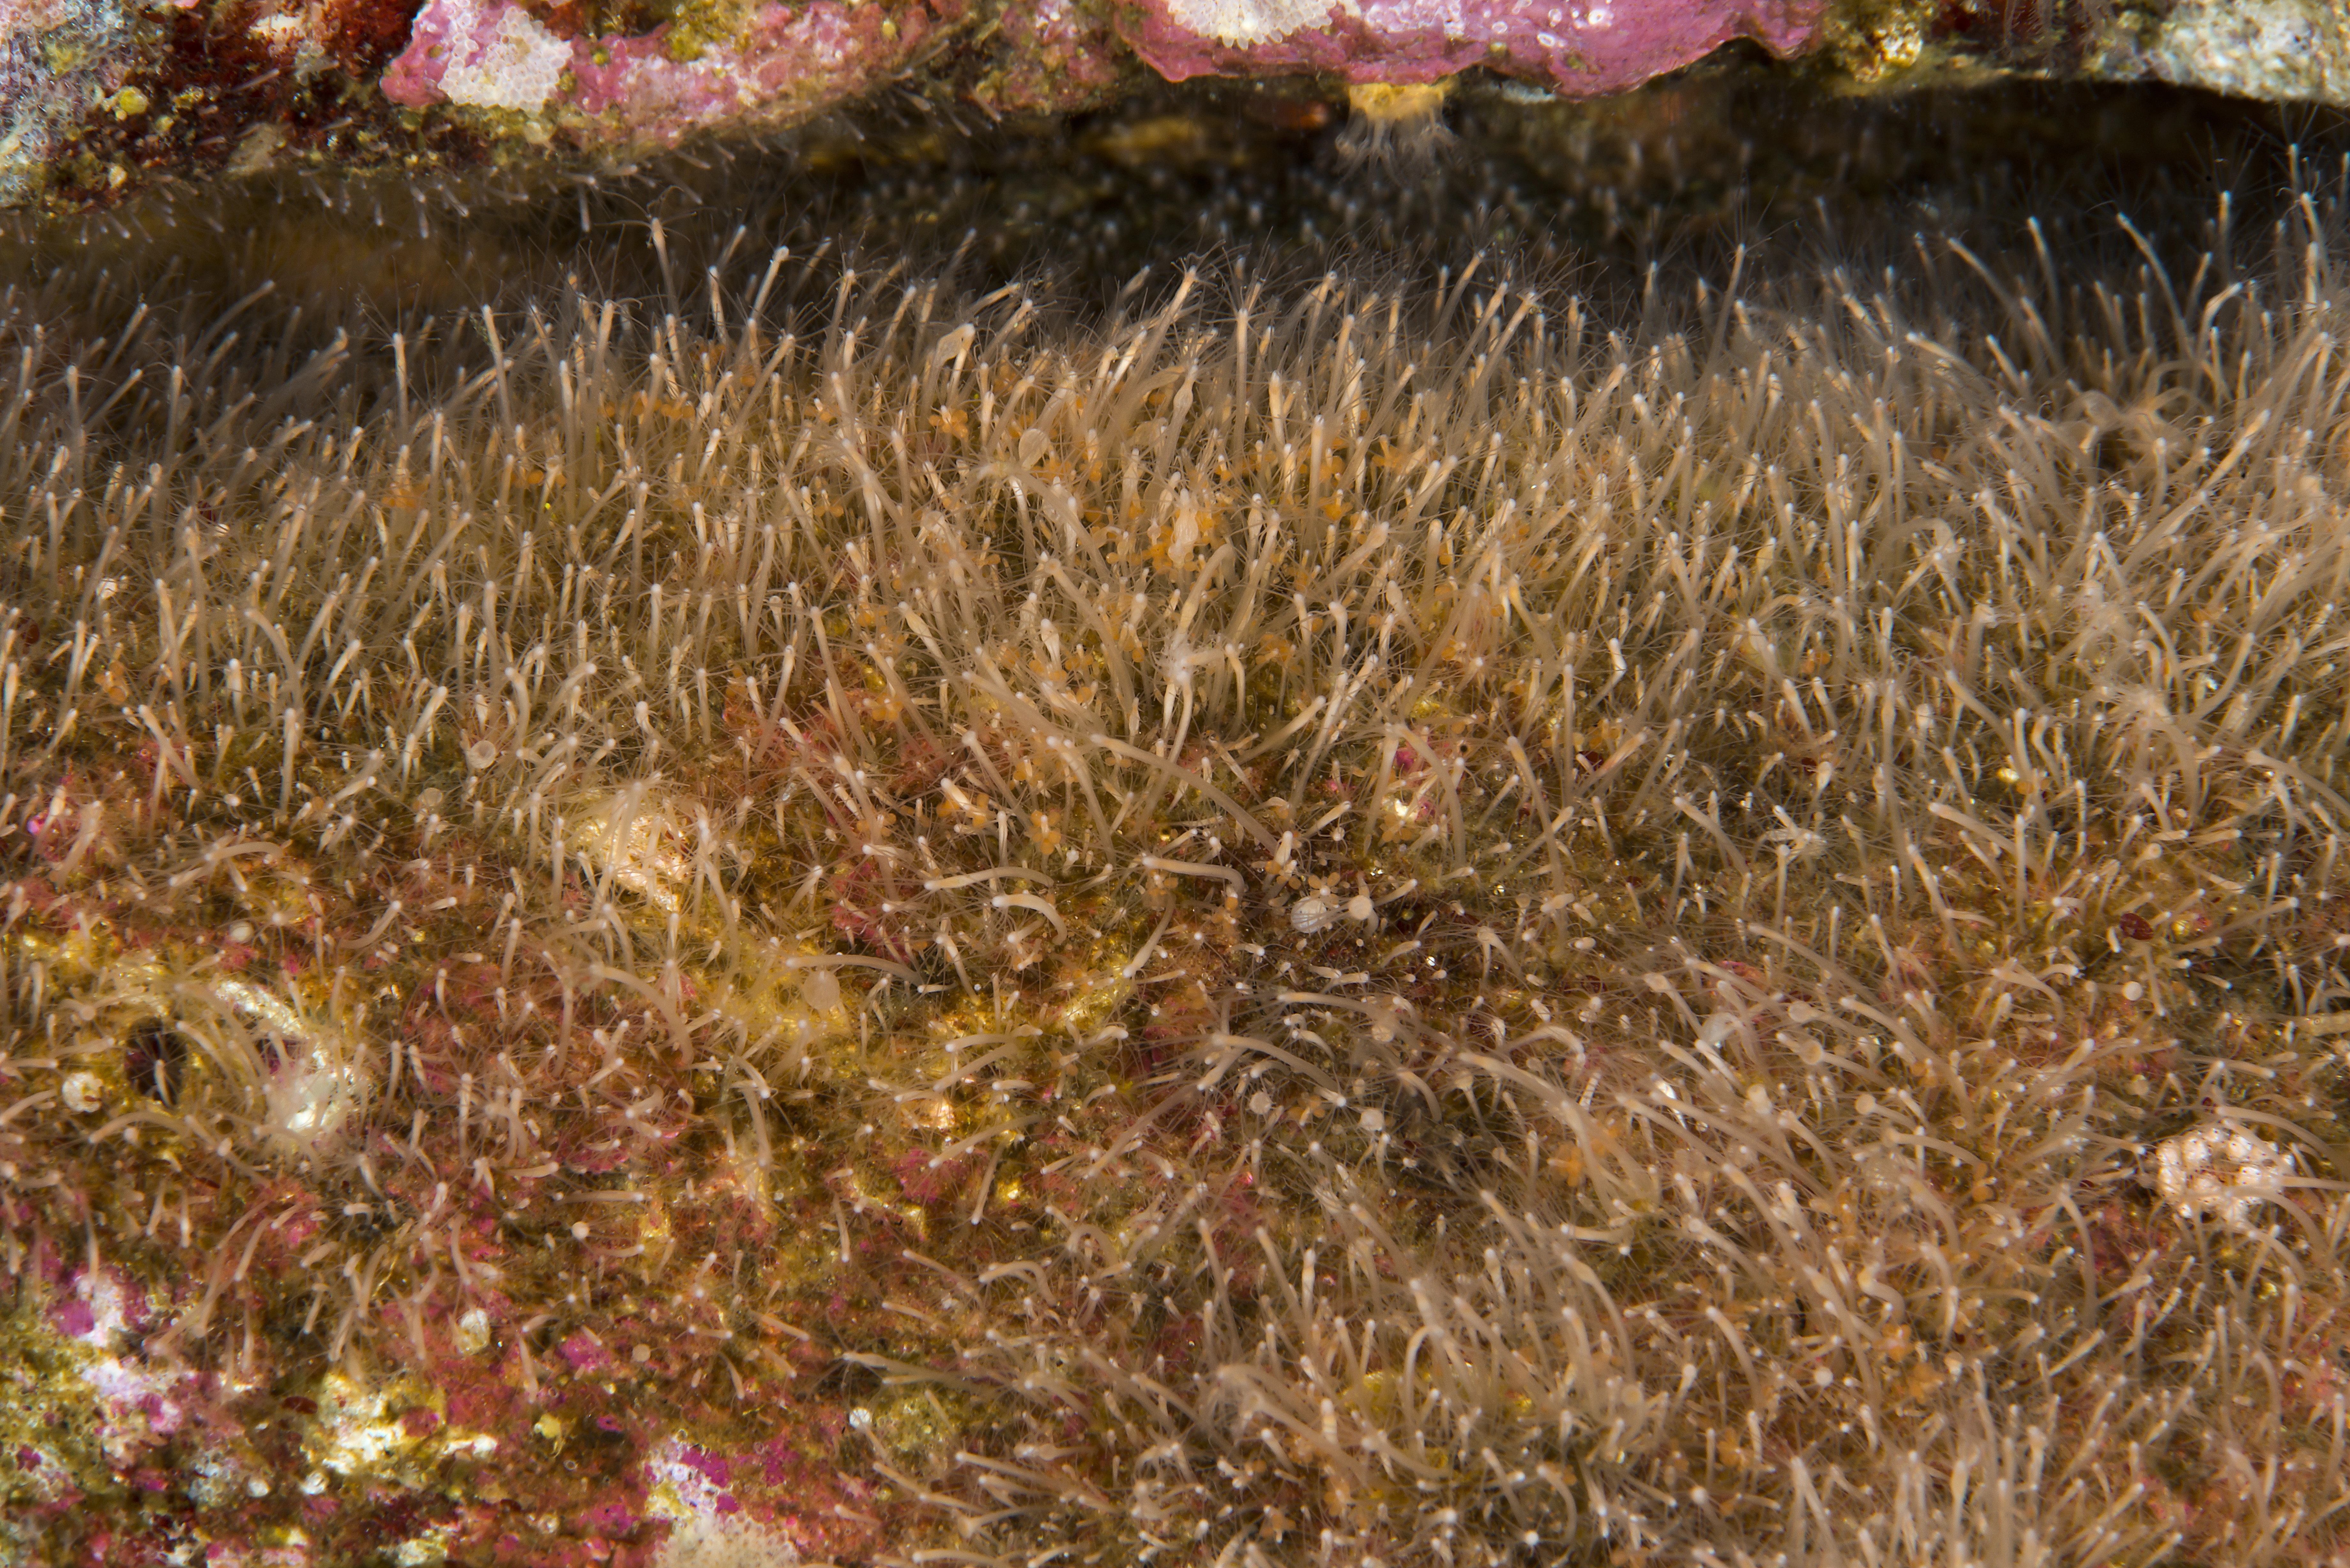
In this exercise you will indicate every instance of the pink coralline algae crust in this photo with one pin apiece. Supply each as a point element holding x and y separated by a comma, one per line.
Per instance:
<point>1582,47</point>
<point>774,1501</point>
<point>486,1456</point>
<point>444,34</point>
<point>780,64</point>
<point>1059,55</point>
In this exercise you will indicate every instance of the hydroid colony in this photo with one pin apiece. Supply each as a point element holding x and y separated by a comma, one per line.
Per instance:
<point>1358,921</point>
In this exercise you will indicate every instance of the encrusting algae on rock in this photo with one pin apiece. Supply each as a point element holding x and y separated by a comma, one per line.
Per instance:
<point>103,99</point>
<point>1416,922</point>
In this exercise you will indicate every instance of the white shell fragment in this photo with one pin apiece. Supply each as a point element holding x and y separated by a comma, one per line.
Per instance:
<point>1319,911</point>
<point>82,1093</point>
<point>2220,1170</point>
<point>1313,913</point>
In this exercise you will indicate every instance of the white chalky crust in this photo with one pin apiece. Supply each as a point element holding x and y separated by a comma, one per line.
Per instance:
<point>2221,1171</point>
<point>1244,22</point>
<point>518,66</point>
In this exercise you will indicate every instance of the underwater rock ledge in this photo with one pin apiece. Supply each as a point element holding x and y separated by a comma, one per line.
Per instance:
<point>98,95</point>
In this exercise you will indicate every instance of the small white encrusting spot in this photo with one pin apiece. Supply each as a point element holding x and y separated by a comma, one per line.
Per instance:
<point>1315,912</point>
<point>2220,1170</point>
<point>1245,22</point>
<point>82,1093</point>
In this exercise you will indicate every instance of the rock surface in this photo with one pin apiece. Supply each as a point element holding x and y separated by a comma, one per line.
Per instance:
<point>95,95</point>
<point>1576,49</point>
<point>383,1302</point>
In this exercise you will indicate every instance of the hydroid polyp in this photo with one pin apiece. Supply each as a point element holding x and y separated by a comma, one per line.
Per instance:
<point>1321,924</point>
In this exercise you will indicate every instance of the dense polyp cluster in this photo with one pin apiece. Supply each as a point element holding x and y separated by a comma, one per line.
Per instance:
<point>1320,924</point>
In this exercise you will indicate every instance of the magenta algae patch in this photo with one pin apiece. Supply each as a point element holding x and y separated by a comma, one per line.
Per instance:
<point>1583,48</point>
